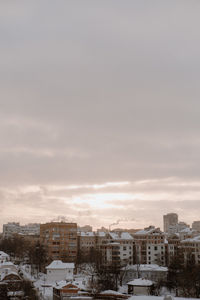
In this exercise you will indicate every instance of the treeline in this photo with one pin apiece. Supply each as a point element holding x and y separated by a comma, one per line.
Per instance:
<point>184,279</point>
<point>21,250</point>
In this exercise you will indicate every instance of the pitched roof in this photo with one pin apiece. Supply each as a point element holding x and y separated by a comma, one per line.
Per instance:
<point>58,264</point>
<point>120,236</point>
<point>140,282</point>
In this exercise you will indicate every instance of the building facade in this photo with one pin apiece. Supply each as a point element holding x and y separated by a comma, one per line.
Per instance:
<point>169,220</point>
<point>60,239</point>
<point>196,225</point>
<point>150,246</point>
<point>12,228</point>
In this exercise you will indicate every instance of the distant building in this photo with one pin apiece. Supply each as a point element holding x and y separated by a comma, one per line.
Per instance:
<point>177,227</point>
<point>191,249</point>
<point>169,220</point>
<point>12,228</point>
<point>196,225</point>
<point>60,239</point>
<point>86,228</point>
<point>187,233</point>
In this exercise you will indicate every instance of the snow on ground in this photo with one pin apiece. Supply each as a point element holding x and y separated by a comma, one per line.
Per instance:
<point>156,298</point>
<point>39,282</point>
<point>123,289</point>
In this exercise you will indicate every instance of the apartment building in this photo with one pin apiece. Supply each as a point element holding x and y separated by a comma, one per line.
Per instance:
<point>100,239</point>
<point>60,238</point>
<point>86,243</point>
<point>13,228</point>
<point>150,246</point>
<point>117,248</point>
<point>187,233</point>
<point>10,229</point>
<point>177,227</point>
<point>191,249</point>
<point>172,247</point>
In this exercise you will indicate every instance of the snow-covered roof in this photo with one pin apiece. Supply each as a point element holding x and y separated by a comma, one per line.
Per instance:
<point>63,283</point>
<point>9,272</point>
<point>110,292</point>
<point>120,236</point>
<point>195,239</point>
<point>156,298</point>
<point>140,282</point>
<point>7,264</point>
<point>187,230</point>
<point>3,254</point>
<point>146,267</point>
<point>80,284</point>
<point>85,234</point>
<point>148,231</point>
<point>58,264</point>
<point>101,233</point>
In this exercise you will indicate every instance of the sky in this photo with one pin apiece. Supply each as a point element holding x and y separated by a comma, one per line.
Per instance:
<point>99,111</point>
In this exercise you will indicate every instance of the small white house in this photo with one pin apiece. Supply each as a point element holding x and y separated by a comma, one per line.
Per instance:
<point>58,271</point>
<point>8,265</point>
<point>140,286</point>
<point>4,257</point>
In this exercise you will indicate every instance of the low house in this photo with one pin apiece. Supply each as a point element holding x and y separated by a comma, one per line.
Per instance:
<point>140,286</point>
<point>64,290</point>
<point>8,265</point>
<point>58,271</point>
<point>13,281</point>
<point>4,257</point>
<point>151,272</point>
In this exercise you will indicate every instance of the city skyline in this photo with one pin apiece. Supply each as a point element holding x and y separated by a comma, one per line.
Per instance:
<point>99,111</point>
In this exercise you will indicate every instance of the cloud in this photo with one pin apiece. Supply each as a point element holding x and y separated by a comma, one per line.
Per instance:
<point>94,96</point>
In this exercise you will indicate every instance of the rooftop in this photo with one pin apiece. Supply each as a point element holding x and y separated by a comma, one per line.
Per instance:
<point>140,282</point>
<point>58,264</point>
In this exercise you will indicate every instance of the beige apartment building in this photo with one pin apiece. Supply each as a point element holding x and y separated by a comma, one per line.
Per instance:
<point>150,246</point>
<point>191,249</point>
<point>60,238</point>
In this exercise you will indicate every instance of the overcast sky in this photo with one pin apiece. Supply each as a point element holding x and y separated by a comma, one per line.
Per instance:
<point>99,111</point>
